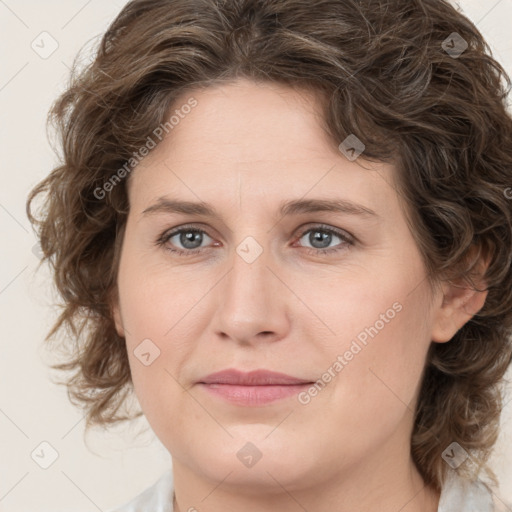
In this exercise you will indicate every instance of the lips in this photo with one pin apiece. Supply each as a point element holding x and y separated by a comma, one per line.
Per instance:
<point>253,378</point>
<point>255,388</point>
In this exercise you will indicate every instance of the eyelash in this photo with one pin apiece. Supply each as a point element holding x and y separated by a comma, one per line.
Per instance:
<point>166,236</point>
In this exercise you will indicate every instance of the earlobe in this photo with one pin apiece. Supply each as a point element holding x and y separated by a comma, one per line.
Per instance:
<point>459,304</point>
<point>116,314</point>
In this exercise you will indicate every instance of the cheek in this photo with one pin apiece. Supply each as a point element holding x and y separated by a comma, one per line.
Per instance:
<point>163,311</point>
<point>156,298</point>
<point>375,341</point>
<point>382,379</point>
<point>372,396</point>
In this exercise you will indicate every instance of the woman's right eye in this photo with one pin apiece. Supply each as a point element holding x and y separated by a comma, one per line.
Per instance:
<point>189,238</point>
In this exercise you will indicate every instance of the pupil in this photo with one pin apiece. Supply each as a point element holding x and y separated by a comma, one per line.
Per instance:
<point>321,237</point>
<point>189,237</point>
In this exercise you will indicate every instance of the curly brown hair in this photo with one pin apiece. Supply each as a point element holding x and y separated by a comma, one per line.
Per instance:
<point>387,71</point>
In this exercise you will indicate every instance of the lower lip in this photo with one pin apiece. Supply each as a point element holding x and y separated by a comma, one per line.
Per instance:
<point>254,395</point>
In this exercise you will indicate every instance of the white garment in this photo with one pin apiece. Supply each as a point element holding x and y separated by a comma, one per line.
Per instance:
<point>457,495</point>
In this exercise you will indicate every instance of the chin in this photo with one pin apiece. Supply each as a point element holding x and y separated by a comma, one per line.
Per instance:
<point>261,478</point>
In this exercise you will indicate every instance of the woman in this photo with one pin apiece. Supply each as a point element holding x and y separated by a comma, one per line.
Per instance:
<point>285,226</point>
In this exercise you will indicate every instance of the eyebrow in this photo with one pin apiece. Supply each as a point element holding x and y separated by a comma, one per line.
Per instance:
<point>291,207</point>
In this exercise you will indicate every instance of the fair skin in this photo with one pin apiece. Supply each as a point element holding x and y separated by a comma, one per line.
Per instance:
<point>244,149</point>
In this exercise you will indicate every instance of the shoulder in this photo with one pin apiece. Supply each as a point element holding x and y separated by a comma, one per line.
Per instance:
<point>157,498</point>
<point>460,494</point>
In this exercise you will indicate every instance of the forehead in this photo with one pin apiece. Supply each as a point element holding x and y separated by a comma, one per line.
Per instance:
<point>256,141</point>
<point>247,122</point>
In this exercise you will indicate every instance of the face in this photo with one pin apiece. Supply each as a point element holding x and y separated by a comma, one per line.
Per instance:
<point>270,279</point>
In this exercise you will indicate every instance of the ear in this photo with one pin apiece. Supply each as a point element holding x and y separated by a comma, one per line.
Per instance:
<point>116,315</point>
<point>460,302</point>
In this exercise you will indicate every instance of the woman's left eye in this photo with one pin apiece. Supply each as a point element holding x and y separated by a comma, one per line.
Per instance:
<point>191,239</point>
<point>323,237</point>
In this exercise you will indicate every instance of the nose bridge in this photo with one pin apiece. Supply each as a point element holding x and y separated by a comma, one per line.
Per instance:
<point>248,281</point>
<point>249,302</point>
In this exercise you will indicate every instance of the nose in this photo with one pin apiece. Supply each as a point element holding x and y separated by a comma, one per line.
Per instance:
<point>253,303</point>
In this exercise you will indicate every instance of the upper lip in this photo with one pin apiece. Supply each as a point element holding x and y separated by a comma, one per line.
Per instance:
<point>253,378</point>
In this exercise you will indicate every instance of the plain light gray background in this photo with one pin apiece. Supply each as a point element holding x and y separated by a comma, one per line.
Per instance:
<point>114,466</point>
